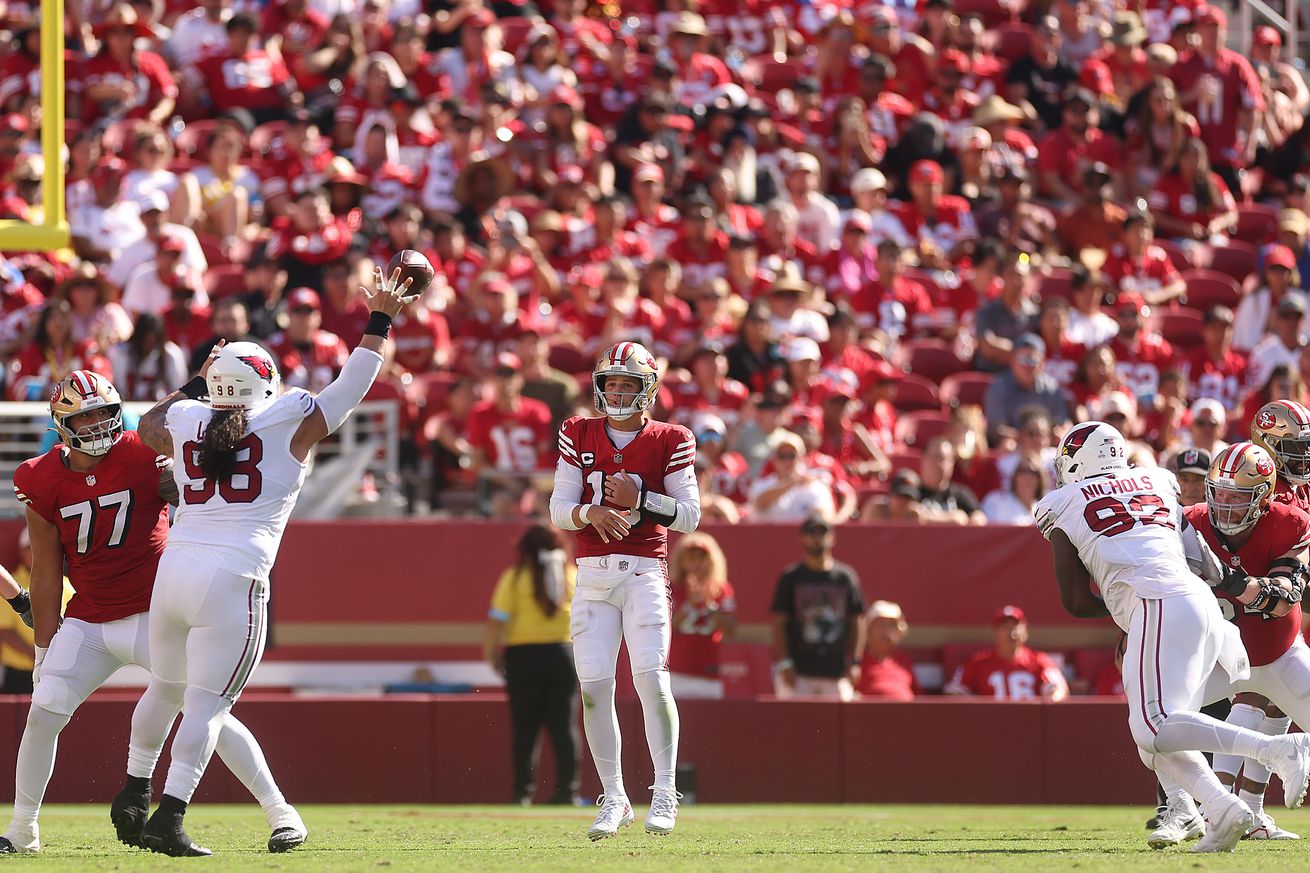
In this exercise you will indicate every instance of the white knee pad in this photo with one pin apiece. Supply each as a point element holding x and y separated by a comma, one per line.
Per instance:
<point>648,647</point>
<point>56,695</point>
<point>594,690</point>
<point>592,664</point>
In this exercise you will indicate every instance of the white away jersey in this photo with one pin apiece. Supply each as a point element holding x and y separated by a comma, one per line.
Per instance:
<point>241,518</point>
<point>1126,529</point>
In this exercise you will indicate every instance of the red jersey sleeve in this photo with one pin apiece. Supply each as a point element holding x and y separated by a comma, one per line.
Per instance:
<point>681,448</point>
<point>568,439</point>
<point>479,428</point>
<point>28,490</point>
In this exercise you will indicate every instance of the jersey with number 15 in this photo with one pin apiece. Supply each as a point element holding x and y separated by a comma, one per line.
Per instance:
<point>239,519</point>
<point>658,451</point>
<point>1126,528</point>
<point>112,524</point>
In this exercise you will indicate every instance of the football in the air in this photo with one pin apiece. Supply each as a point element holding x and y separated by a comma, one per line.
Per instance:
<point>412,265</point>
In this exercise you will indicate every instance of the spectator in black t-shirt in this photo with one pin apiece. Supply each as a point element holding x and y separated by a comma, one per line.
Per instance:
<point>941,500</point>
<point>818,621</point>
<point>1041,77</point>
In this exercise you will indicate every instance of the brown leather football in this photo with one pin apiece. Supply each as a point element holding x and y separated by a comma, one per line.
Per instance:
<point>413,265</point>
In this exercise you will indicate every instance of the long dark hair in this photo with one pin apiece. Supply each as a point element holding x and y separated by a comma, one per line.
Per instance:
<point>535,540</point>
<point>218,448</point>
<point>1204,189</point>
<point>148,327</point>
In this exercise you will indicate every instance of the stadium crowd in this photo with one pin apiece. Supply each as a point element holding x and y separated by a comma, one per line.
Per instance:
<point>886,253</point>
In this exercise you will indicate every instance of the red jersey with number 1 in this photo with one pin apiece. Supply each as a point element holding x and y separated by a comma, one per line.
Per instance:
<point>1280,530</point>
<point>657,450</point>
<point>112,524</point>
<point>987,674</point>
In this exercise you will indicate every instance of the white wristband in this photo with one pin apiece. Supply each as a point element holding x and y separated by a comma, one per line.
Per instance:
<point>586,509</point>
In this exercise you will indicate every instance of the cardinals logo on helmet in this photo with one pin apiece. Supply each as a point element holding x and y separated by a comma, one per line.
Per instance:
<point>260,365</point>
<point>1265,420</point>
<point>1075,440</point>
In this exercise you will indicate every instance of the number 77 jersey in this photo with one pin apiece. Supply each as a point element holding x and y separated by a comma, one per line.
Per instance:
<point>1126,528</point>
<point>112,524</point>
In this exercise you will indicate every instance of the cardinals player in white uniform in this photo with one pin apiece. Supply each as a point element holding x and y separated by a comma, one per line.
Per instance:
<point>1122,530</point>
<point>622,482</point>
<point>240,461</point>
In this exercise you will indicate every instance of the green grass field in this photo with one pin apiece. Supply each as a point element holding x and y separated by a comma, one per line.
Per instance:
<point>718,838</point>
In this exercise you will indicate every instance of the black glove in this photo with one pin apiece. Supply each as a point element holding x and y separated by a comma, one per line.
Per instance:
<point>1271,596</point>
<point>22,604</point>
<point>1234,582</point>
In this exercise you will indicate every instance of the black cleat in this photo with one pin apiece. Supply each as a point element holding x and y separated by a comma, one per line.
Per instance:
<point>286,839</point>
<point>164,834</point>
<point>129,812</point>
<point>6,847</point>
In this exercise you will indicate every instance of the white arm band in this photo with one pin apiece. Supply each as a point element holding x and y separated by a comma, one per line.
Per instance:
<point>566,496</point>
<point>340,398</point>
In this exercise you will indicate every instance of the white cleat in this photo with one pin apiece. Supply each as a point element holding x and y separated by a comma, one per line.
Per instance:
<point>1289,757</point>
<point>1225,826</point>
<point>615,813</point>
<point>1179,822</point>
<point>663,813</point>
<point>20,841</point>
<point>1267,829</point>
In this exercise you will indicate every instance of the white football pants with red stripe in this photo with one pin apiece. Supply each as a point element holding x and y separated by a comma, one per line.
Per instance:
<point>207,632</point>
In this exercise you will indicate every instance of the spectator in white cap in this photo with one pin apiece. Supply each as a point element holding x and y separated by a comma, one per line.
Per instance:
<point>886,673</point>
<point>1209,423</point>
<point>154,206</point>
<point>788,491</point>
<point>803,369</point>
<point>818,219</point>
<point>869,190</point>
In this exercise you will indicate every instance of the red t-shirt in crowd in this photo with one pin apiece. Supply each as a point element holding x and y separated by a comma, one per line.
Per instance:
<point>697,641</point>
<point>986,674</point>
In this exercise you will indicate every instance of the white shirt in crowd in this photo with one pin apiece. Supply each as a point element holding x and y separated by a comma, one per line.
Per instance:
<point>796,503</point>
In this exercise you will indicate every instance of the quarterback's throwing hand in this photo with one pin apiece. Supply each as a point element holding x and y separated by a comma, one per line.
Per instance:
<point>611,524</point>
<point>390,294</point>
<point>622,489</point>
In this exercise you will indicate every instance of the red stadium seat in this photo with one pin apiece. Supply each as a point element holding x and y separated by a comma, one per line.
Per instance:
<point>1237,259</point>
<point>1013,41</point>
<point>955,654</point>
<point>772,76</point>
<point>431,390</point>
<point>1055,283</point>
<point>1206,288</point>
<point>1088,662</point>
<point>570,359</point>
<point>916,393</point>
<point>993,14</point>
<point>916,428</point>
<point>964,389</point>
<point>932,359</point>
<point>515,30</point>
<point>212,246</point>
<point>1178,255</point>
<point>194,137</point>
<point>910,459</point>
<point>387,390</point>
<point>225,280</point>
<point>1181,327</point>
<point>263,137</point>
<point>1257,223</point>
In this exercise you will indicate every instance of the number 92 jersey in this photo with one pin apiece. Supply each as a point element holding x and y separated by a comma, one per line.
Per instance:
<point>1126,530</point>
<point>658,451</point>
<point>112,524</point>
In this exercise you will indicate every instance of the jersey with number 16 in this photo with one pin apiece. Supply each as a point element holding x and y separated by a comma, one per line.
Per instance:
<point>1126,528</point>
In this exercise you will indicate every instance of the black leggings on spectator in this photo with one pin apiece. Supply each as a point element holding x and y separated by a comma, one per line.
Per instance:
<point>1219,710</point>
<point>542,687</point>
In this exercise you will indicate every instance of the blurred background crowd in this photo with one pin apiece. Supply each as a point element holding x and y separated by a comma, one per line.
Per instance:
<point>885,253</point>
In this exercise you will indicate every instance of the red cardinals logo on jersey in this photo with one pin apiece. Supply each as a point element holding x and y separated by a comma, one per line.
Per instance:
<point>1264,466</point>
<point>1265,420</point>
<point>262,366</point>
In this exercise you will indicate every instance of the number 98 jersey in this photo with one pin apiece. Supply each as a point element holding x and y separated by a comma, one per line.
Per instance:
<point>112,524</point>
<point>658,451</point>
<point>1126,529</point>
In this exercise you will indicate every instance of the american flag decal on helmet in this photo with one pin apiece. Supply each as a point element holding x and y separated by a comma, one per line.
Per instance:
<point>261,366</point>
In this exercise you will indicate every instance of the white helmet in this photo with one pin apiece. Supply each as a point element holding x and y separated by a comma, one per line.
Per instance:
<point>1090,449</point>
<point>631,360</point>
<point>242,376</point>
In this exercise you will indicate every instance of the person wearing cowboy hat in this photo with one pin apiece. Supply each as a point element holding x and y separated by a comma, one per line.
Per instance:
<point>1124,56</point>
<point>697,73</point>
<point>791,316</point>
<point>267,90</point>
<point>481,184</point>
<point>122,81</point>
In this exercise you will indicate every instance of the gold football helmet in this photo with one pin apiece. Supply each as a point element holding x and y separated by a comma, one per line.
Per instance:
<point>1239,487</point>
<point>1282,428</point>
<point>626,359</point>
<point>82,391</point>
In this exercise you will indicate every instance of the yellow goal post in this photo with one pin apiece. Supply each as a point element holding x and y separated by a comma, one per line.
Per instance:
<point>52,232</point>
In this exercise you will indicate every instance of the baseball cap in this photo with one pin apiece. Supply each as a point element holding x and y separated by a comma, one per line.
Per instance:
<point>171,244</point>
<point>803,161</point>
<point>497,286</point>
<point>1211,14</point>
<point>303,297</point>
<point>1116,402</point>
<point>707,425</point>
<point>507,364</point>
<point>648,173</point>
<point>1291,304</point>
<point>1191,461</point>
<point>1030,341</point>
<point>888,610</point>
<point>816,521</point>
<point>953,59</point>
<point>1266,35</point>
<point>1212,406</point>
<point>926,171</point>
<point>868,179</point>
<point>1130,302</point>
<point>858,218</point>
<point>883,371</point>
<point>1294,220</point>
<point>802,348</point>
<point>15,122</point>
<point>1279,255</point>
<point>906,483</point>
<point>1008,613</point>
<point>152,201</point>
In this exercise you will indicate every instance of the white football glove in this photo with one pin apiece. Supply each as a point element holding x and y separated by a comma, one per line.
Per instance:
<point>38,656</point>
<point>1201,559</point>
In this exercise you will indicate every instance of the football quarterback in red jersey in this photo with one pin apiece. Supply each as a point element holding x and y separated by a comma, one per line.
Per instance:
<point>623,482</point>
<point>1254,535</point>
<point>99,502</point>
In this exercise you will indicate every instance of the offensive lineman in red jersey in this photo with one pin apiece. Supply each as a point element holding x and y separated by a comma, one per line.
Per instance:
<point>623,482</point>
<point>100,502</point>
<point>1257,536</point>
